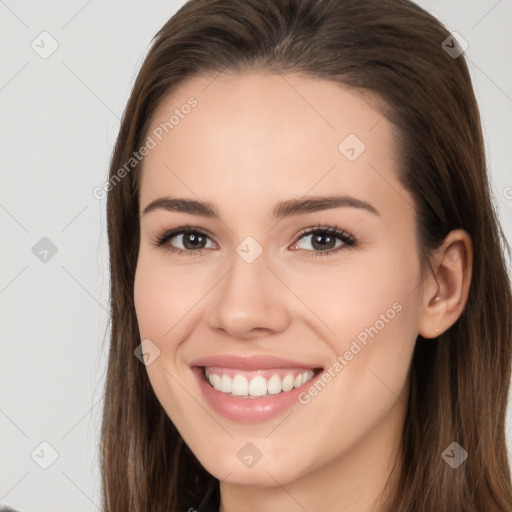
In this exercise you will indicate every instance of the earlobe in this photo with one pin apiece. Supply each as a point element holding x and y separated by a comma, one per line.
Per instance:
<point>447,291</point>
<point>436,300</point>
<point>430,324</point>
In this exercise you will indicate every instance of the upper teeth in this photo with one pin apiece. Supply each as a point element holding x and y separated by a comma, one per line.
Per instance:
<point>258,385</point>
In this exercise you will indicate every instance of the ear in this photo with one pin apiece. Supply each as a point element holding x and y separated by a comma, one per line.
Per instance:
<point>452,264</point>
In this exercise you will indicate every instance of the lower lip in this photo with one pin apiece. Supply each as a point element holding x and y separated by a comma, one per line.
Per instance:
<point>249,410</point>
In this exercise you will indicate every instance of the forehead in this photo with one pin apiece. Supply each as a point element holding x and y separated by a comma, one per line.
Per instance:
<point>269,136</point>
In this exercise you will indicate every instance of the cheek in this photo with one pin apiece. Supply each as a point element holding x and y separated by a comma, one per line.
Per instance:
<point>348,299</point>
<point>376,329</point>
<point>151,303</point>
<point>163,296</point>
<point>162,300</point>
<point>369,310</point>
<point>378,291</point>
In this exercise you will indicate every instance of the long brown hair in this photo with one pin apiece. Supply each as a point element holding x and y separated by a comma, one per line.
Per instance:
<point>459,381</point>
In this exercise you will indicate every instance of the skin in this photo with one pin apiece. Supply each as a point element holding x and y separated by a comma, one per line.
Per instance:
<point>253,141</point>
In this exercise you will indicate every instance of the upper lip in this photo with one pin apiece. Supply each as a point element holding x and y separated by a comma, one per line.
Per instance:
<point>259,362</point>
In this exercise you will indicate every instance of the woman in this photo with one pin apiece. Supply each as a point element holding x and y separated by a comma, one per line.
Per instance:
<point>245,371</point>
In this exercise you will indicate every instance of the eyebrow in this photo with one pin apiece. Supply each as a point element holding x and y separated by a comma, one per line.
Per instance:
<point>285,209</point>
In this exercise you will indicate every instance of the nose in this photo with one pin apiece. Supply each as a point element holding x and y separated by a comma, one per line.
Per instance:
<point>249,301</point>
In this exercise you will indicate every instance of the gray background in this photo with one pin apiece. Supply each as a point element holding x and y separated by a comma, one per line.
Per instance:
<point>59,117</point>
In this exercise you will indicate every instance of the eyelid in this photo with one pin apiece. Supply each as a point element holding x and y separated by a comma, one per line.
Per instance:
<point>163,238</point>
<point>333,229</point>
<point>347,239</point>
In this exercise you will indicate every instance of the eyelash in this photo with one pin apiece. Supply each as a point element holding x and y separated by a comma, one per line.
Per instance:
<point>347,239</point>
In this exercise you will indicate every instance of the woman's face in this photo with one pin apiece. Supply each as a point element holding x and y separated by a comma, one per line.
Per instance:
<point>259,304</point>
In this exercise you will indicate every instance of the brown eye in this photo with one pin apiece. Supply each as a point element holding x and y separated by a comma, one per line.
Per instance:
<point>325,241</point>
<point>189,241</point>
<point>192,240</point>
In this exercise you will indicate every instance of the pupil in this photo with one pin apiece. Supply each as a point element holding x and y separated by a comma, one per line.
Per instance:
<point>317,244</point>
<point>191,240</point>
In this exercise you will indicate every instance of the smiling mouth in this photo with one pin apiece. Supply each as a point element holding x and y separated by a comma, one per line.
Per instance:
<point>258,383</point>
